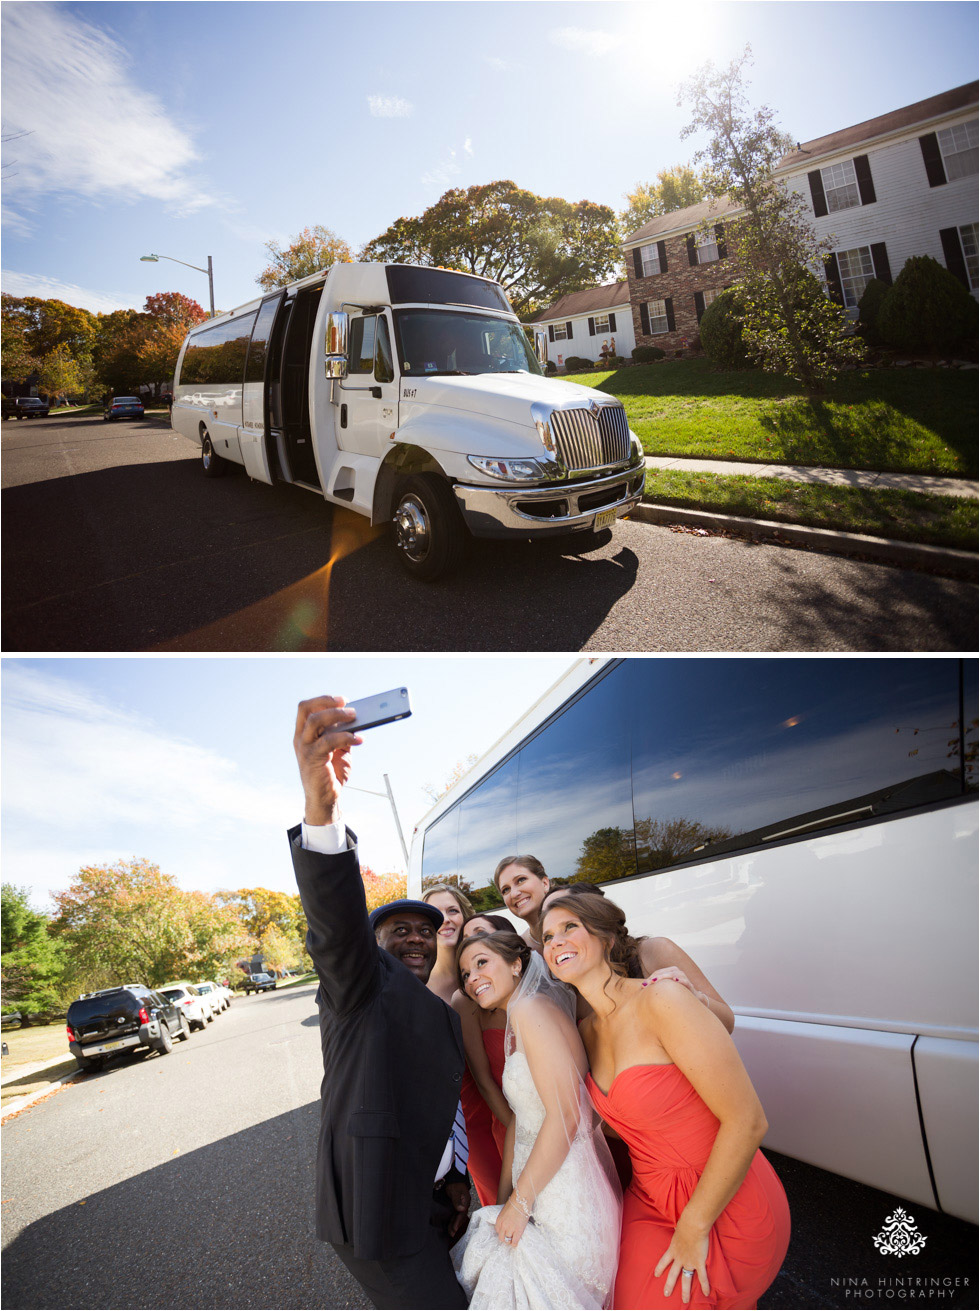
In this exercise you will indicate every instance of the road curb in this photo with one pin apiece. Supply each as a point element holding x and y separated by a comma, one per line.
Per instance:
<point>22,1103</point>
<point>882,550</point>
<point>22,1072</point>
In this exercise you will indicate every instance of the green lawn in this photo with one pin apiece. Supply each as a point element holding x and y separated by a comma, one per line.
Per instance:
<point>901,420</point>
<point>903,516</point>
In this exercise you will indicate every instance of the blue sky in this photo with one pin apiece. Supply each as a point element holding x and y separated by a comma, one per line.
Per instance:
<point>189,762</point>
<point>195,129</point>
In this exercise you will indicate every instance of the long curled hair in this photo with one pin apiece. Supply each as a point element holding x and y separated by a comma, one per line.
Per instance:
<point>607,922</point>
<point>460,898</point>
<point>507,945</point>
<point>530,863</point>
<point>498,923</point>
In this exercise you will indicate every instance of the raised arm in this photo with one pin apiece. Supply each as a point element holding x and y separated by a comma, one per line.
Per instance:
<point>477,1061</point>
<point>707,1056</point>
<point>665,959</point>
<point>557,1062</point>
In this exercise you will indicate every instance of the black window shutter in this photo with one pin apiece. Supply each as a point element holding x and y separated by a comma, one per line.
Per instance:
<point>692,250</point>
<point>879,257</point>
<point>669,307</point>
<point>866,187</point>
<point>953,251</point>
<point>816,193</point>
<point>662,253</point>
<point>699,304</point>
<point>612,322</point>
<point>637,262</point>
<point>551,332</point>
<point>644,318</point>
<point>591,327</point>
<point>720,239</point>
<point>933,160</point>
<point>833,279</point>
<point>568,329</point>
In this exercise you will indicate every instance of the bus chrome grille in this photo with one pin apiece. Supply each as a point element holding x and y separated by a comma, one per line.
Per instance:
<point>591,438</point>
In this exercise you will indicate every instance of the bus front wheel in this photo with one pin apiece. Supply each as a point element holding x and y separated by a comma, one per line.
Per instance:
<point>429,530</point>
<point>211,462</point>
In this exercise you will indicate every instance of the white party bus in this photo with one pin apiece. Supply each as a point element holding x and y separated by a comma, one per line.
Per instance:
<point>408,394</point>
<point>807,831</point>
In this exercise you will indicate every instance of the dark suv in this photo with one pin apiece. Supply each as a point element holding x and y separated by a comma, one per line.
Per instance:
<point>25,407</point>
<point>100,1024</point>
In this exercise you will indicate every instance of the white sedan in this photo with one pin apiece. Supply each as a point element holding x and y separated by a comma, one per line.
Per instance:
<point>185,996</point>
<point>214,995</point>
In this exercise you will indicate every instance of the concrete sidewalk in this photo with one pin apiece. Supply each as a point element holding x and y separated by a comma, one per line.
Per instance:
<point>932,484</point>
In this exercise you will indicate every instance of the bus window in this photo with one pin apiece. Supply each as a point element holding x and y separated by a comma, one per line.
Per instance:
<point>384,369</point>
<point>362,336</point>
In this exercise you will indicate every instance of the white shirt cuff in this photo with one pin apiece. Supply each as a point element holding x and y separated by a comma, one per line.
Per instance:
<point>328,839</point>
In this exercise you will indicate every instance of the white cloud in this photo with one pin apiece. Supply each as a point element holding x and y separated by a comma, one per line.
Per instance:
<point>501,65</point>
<point>582,40</point>
<point>441,175</point>
<point>92,129</point>
<point>468,146</point>
<point>390,107</point>
<point>36,284</point>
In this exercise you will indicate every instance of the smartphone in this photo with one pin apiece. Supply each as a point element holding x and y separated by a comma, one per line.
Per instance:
<point>384,708</point>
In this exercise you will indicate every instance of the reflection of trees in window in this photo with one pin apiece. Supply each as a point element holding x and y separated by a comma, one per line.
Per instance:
<point>217,355</point>
<point>481,899</point>
<point>663,842</point>
<point>607,853</point>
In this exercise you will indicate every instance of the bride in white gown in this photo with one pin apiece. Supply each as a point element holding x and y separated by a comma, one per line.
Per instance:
<point>554,1241</point>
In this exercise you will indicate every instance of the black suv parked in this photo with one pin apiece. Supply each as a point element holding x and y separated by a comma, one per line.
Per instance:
<point>100,1024</point>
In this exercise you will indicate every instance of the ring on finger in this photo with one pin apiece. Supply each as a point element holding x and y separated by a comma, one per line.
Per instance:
<point>689,1273</point>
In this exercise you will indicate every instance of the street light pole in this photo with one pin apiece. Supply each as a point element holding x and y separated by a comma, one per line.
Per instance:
<point>152,259</point>
<point>387,793</point>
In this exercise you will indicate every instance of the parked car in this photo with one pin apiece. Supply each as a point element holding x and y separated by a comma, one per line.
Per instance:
<point>259,982</point>
<point>198,1010</point>
<point>214,995</point>
<point>125,1018</point>
<point>25,407</point>
<point>123,407</point>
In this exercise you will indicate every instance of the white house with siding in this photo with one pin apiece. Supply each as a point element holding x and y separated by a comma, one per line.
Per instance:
<point>583,321</point>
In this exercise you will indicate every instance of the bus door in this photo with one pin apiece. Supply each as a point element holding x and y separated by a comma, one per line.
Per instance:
<point>254,434</point>
<point>368,395</point>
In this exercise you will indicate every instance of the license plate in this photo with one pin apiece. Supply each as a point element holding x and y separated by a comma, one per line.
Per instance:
<point>111,1046</point>
<point>604,519</point>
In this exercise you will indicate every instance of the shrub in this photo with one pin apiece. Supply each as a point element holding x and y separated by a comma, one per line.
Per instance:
<point>721,331</point>
<point>869,308</point>
<point>575,364</point>
<point>551,367</point>
<point>927,309</point>
<point>647,354</point>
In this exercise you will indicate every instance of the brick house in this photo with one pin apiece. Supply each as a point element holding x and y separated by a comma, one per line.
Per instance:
<point>581,322</point>
<point>881,191</point>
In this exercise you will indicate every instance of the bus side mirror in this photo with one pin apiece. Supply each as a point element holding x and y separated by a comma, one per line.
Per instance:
<point>541,347</point>
<point>335,344</point>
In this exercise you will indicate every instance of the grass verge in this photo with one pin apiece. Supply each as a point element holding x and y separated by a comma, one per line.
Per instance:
<point>902,516</point>
<point>892,420</point>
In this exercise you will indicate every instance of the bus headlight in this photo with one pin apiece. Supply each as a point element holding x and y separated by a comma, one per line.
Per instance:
<point>515,471</point>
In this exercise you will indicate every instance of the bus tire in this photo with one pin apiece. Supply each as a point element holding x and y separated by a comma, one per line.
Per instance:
<point>429,532</point>
<point>211,462</point>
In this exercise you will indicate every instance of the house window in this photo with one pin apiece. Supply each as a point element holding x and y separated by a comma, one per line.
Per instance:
<point>707,249</point>
<point>709,296</point>
<point>840,186</point>
<point>856,271</point>
<point>650,257</point>
<point>958,146</point>
<point>968,240</point>
<point>602,323</point>
<point>560,332</point>
<point>657,309</point>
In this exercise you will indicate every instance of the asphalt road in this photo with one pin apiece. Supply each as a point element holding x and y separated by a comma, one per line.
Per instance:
<point>113,540</point>
<point>187,1181</point>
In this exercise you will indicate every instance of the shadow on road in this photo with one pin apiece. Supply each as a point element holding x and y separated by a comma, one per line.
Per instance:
<point>228,1225</point>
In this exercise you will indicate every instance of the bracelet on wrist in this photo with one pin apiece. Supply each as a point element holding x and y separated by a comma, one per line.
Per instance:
<point>521,1203</point>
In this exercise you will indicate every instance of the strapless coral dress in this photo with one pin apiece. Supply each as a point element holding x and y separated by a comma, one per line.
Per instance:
<point>484,1132</point>
<point>670,1132</point>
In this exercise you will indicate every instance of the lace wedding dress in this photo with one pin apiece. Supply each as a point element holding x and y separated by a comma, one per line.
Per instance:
<point>567,1255</point>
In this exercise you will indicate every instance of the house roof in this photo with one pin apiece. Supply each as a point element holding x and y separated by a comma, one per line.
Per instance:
<point>685,220</point>
<point>948,102</point>
<point>607,297</point>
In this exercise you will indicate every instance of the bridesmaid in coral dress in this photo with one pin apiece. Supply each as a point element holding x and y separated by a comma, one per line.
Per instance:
<point>485,1108</point>
<point>705,1220</point>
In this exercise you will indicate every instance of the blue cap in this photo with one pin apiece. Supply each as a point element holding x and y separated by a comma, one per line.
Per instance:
<point>404,904</point>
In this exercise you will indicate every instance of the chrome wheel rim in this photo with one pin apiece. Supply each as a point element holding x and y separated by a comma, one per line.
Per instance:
<point>206,452</point>
<point>413,531</point>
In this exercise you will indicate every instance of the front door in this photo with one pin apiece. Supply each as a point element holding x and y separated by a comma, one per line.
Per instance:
<point>368,395</point>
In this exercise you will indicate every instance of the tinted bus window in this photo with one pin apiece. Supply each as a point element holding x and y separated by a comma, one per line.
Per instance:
<point>217,354</point>
<point>408,284</point>
<point>259,345</point>
<point>487,832</point>
<point>361,352</point>
<point>440,851</point>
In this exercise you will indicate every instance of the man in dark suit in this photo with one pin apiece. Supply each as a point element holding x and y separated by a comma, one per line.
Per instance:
<point>388,1198</point>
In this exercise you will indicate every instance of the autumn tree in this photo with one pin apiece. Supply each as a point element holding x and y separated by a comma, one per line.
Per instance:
<point>59,372</point>
<point>262,908</point>
<point>673,188</point>
<point>48,342</point>
<point>537,248</point>
<point>379,889</point>
<point>789,324</point>
<point>313,249</point>
<point>606,854</point>
<point>663,842</point>
<point>119,337</point>
<point>32,963</point>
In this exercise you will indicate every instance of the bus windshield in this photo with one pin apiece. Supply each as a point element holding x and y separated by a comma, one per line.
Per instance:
<point>433,342</point>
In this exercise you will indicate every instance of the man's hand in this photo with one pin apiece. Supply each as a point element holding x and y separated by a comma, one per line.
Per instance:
<point>458,1193</point>
<point>322,747</point>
